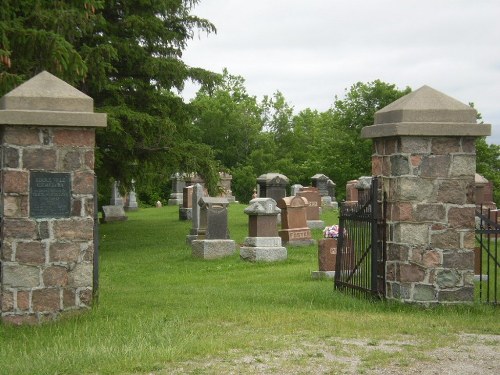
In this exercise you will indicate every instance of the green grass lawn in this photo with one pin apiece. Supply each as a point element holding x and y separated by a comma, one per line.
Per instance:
<point>158,307</point>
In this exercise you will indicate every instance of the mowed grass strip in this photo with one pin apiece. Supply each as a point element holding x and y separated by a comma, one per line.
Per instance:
<point>158,306</point>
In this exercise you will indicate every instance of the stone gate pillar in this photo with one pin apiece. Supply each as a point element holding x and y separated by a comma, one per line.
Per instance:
<point>47,131</point>
<point>424,147</point>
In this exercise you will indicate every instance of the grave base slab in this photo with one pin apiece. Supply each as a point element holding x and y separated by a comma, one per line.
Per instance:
<point>185,213</point>
<point>316,275</point>
<point>212,249</point>
<point>263,254</point>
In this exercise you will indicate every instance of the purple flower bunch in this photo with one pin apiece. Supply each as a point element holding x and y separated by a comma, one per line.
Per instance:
<point>331,232</point>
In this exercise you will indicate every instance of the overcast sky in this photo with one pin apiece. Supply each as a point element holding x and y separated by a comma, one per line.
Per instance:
<point>312,50</point>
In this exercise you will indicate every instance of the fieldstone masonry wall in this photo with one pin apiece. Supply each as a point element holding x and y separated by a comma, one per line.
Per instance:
<point>424,147</point>
<point>47,260</point>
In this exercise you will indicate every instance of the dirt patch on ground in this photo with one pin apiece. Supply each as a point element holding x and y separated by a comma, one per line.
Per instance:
<point>469,354</point>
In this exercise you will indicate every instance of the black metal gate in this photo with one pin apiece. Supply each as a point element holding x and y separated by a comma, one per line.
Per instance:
<point>487,262</point>
<point>360,263</point>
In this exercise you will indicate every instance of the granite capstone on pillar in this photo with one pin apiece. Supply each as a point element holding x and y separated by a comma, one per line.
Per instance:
<point>424,148</point>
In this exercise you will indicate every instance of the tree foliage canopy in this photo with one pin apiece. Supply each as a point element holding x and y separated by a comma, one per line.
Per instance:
<point>126,55</point>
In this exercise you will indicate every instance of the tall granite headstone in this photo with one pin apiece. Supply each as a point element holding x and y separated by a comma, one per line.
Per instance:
<point>272,185</point>
<point>213,234</point>
<point>197,193</point>
<point>311,194</point>
<point>294,230</point>
<point>263,242</point>
<point>178,183</point>
<point>186,209</point>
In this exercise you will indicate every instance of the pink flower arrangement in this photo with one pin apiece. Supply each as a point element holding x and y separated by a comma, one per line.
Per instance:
<point>331,232</point>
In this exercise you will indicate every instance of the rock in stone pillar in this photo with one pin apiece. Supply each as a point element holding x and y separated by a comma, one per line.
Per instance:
<point>263,242</point>
<point>424,147</point>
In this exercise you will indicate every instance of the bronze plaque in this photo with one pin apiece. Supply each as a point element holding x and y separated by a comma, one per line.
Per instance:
<point>50,195</point>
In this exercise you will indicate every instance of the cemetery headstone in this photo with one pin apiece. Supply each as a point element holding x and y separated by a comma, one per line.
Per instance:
<point>213,234</point>
<point>186,210</point>
<point>294,189</point>
<point>327,253</point>
<point>313,209</point>
<point>272,185</point>
<point>330,199</point>
<point>178,183</point>
<point>116,197</point>
<point>294,230</point>
<point>197,193</point>
<point>113,213</point>
<point>484,192</point>
<point>320,181</point>
<point>131,204</point>
<point>263,242</point>
<point>47,193</point>
<point>363,186</point>
<point>351,191</point>
<point>225,184</point>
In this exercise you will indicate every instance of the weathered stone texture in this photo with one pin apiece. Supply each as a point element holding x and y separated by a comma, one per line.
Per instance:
<point>55,276</point>
<point>30,252</point>
<point>461,260</point>
<point>23,300</point>
<point>81,275</point>
<point>448,239</point>
<point>435,166</point>
<point>414,145</point>
<point>46,300</point>
<point>430,213</point>
<point>20,276</point>
<point>411,273</point>
<point>21,136</point>
<point>83,182</point>
<point>463,165</point>
<point>15,206</point>
<point>40,159</point>
<point>15,182</point>
<point>445,145</point>
<point>74,229</point>
<point>461,217</point>
<point>10,157</point>
<point>64,252</point>
<point>74,137</point>
<point>19,228</point>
